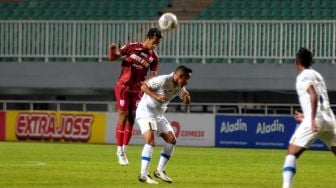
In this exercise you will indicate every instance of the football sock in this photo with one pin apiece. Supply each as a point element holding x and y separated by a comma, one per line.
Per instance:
<point>124,148</point>
<point>289,170</point>
<point>119,137</point>
<point>166,153</point>
<point>127,134</point>
<point>146,157</point>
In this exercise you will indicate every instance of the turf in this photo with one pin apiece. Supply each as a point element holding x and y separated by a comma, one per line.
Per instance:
<point>25,164</point>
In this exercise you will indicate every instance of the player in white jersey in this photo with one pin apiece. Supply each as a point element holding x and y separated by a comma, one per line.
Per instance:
<point>317,121</point>
<point>158,92</point>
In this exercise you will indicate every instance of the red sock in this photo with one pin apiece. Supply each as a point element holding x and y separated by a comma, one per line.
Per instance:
<point>120,134</point>
<point>128,134</point>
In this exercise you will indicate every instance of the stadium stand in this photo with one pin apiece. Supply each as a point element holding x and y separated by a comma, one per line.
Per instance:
<point>81,9</point>
<point>219,34</point>
<point>251,42</point>
<point>146,9</point>
<point>269,10</point>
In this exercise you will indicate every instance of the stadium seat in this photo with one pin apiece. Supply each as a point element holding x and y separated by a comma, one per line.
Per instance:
<point>40,7</point>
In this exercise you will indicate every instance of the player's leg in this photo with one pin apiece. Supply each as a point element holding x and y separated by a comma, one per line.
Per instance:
<point>122,115</point>
<point>122,106</point>
<point>148,129</point>
<point>133,101</point>
<point>302,138</point>
<point>168,135</point>
<point>333,149</point>
<point>289,168</point>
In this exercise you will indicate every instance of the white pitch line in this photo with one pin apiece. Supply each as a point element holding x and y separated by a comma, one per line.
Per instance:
<point>24,163</point>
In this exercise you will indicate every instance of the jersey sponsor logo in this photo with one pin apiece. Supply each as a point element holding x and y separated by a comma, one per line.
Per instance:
<point>143,54</point>
<point>264,128</point>
<point>228,127</point>
<point>137,66</point>
<point>44,126</point>
<point>140,59</point>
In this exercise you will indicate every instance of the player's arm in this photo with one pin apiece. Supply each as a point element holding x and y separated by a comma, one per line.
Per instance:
<point>185,96</point>
<point>313,101</point>
<point>112,52</point>
<point>298,116</point>
<point>115,54</point>
<point>149,91</point>
<point>154,66</point>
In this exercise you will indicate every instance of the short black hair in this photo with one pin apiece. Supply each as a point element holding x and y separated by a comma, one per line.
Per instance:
<point>185,70</point>
<point>306,57</point>
<point>154,32</point>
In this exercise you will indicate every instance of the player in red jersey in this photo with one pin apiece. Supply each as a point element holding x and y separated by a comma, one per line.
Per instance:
<point>139,57</point>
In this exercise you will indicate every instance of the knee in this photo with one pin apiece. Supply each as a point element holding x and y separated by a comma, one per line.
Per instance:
<point>122,117</point>
<point>151,142</point>
<point>172,141</point>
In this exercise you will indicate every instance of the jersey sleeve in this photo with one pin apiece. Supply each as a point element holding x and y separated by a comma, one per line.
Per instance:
<point>306,81</point>
<point>155,82</point>
<point>124,50</point>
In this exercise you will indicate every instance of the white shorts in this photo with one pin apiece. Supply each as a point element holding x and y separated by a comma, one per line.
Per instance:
<point>304,136</point>
<point>158,124</point>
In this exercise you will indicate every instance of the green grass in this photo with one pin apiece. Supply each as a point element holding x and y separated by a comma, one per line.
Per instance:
<point>89,165</point>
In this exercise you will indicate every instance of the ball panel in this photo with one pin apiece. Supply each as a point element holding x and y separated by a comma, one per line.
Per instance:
<point>168,21</point>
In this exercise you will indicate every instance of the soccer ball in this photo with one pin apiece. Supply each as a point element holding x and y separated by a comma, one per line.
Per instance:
<point>168,21</point>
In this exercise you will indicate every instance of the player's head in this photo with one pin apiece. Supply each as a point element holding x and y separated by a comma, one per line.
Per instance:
<point>304,58</point>
<point>153,38</point>
<point>181,75</point>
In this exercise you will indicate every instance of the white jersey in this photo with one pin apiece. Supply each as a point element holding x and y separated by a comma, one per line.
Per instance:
<point>148,106</point>
<point>305,79</point>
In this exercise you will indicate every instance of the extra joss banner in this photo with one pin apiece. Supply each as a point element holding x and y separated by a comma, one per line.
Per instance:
<point>56,126</point>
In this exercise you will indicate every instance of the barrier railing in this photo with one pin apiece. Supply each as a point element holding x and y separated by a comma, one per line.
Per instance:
<point>109,106</point>
<point>206,41</point>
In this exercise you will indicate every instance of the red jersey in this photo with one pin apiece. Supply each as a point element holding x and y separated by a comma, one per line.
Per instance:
<point>135,65</point>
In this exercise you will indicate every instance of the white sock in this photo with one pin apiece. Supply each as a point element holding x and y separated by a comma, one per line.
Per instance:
<point>124,148</point>
<point>119,150</point>
<point>146,157</point>
<point>289,170</point>
<point>166,153</point>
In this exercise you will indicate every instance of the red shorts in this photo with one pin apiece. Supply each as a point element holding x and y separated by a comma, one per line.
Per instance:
<point>126,100</point>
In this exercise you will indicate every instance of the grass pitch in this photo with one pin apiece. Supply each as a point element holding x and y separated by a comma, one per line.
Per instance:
<point>89,165</point>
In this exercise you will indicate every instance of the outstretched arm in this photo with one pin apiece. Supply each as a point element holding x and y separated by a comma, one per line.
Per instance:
<point>313,100</point>
<point>112,52</point>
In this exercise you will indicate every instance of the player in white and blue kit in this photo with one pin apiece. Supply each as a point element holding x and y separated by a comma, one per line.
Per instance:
<point>158,92</point>
<point>318,120</point>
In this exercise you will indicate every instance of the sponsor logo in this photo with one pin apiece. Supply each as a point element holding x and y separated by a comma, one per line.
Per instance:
<point>228,127</point>
<point>140,59</point>
<point>179,133</point>
<point>44,126</point>
<point>176,126</point>
<point>143,54</point>
<point>276,126</point>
